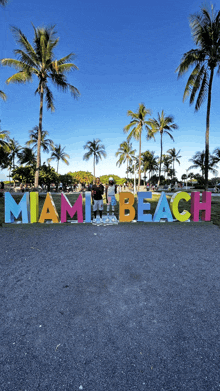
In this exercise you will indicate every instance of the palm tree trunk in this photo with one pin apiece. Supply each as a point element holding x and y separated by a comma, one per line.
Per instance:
<point>139,169</point>
<point>161,152</point>
<point>127,168</point>
<point>207,130</point>
<point>57,165</point>
<point>39,137</point>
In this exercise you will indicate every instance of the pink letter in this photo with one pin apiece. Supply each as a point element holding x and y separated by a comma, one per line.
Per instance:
<point>67,208</point>
<point>205,205</point>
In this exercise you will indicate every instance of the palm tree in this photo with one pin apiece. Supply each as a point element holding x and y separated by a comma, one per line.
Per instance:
<point>162,125</point>
<point>166,162</point>
<point>125,153</point>
<point>153,164</point>
<point>59,154</point>
<point>13,152</point>
<point>4,138</point>
<point>39,60</point>
<point>174,156</point>
<point>137,124</point>
<point>205,27</point>
<point>96,150</point>
<point>46,143</point>
<point>4,149</point>
<point>216,152</point>
<point>27,156</point>
<point>3,2</point>
<point>184,178</point>
<point>191,176</point>
<point>149,162</point>
<point>198,161</point>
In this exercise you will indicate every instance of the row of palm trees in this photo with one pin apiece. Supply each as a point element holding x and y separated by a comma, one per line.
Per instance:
<point>163,125</point>
<point>149,162</point>
<point>27,155</point>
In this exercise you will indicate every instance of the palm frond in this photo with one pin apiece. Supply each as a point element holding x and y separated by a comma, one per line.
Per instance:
<point>49,99</point>
<point>3,95</point>
<point>197,83</point>
<point>203,92</point>
<point>65,59</point>
<point>25,44</point>
<point>20,77</point>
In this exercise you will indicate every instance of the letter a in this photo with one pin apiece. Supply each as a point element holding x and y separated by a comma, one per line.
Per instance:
<point>49,211</point>
<point>162,210</point>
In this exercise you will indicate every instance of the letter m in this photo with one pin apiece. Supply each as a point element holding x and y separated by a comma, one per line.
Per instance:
<point>14,210</point>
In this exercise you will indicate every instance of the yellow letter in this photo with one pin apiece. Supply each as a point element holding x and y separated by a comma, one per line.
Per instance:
<point>34,206</point>
<point>174,203</point>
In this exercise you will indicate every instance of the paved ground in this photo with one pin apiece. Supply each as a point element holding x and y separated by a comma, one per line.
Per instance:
<point>131,307</point>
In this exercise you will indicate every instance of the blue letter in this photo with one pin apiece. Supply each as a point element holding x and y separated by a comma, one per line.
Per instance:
<point>88,206</point>
<point>162,210</point>
<point>14,210</point>
<point>144,206</point>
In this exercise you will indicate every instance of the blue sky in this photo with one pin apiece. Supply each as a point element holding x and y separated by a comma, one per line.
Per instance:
<point>127,53</point>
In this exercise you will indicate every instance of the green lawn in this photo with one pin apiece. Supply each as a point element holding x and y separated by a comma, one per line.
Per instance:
<point>215,216</point>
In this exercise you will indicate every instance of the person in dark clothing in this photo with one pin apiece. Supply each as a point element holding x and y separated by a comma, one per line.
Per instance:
<point>97,192</point>
<point>2,185</point>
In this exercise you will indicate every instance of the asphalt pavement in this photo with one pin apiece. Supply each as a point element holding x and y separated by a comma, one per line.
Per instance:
<point>115,308</point>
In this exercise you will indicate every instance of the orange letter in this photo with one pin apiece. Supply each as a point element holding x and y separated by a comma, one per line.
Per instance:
<point>51,214</point>
<point>126,206</point>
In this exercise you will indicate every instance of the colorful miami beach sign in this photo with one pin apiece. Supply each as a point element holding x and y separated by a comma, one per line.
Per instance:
<point>28,208</point>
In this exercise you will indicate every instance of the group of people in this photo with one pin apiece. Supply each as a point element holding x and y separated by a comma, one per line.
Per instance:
<point>97,200</point>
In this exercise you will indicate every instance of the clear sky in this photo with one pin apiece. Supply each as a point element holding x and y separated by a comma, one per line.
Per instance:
<point>127,53</point>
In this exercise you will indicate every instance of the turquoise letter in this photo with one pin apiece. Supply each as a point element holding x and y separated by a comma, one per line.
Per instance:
<point>88,206</point>
<point>162,210</point>
<point>14,210</point>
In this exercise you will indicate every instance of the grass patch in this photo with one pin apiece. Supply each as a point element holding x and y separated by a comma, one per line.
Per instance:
<point>215,215</point>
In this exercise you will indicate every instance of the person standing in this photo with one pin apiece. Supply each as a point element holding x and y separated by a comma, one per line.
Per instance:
<point>97,201</point>
<point>110,191</point>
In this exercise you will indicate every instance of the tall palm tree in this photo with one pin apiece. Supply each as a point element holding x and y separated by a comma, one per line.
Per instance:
<point>59,154</point>
<point>46,143</point>
<point>136,125</point>
<point>198,161</point>
<point>174,156</point>
<point>3,2</point>
<point>125,153</point>
<point>39,60</point>
<point>96,150</point>
<point>162,125</point>
<point>205,27</point>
